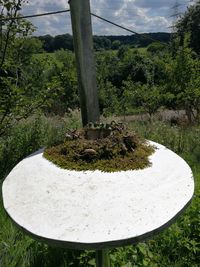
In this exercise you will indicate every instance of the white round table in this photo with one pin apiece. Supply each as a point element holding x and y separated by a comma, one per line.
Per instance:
<point>94,209</point>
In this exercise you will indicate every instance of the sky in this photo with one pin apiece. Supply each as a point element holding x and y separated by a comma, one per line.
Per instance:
<point>139,15</point>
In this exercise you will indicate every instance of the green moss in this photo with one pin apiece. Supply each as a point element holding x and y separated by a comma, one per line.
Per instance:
<point>120,151</point>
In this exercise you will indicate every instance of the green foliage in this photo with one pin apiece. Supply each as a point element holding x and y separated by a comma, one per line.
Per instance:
<point>146,97</point>
<point>56,77</point>
<point>183,85</point>
<point>63,42</point>
<point>30,135</point>
<point>116,44</point>
<point>124,88</point>
<point>102,43</point>
<point>156,47</point>
<point>17,48</point>
<point>15,248</point>
<point>123,78</point>
<point>189,23</point>
<point>148,82</point>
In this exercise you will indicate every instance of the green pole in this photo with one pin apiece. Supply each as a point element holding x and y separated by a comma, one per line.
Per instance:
<point>86,69</point>
<point>102,258</point>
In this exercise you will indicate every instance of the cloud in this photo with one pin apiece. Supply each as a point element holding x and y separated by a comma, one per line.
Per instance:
<point>53,24</point>
<point>154,3</point>
<point>138,15</point>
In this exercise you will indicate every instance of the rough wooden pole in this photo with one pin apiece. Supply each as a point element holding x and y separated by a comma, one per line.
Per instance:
<point>83,46</point>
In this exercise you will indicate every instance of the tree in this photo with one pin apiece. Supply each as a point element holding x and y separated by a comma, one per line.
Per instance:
<point>183,86</point>
<point>62,80</point>
<point>156,47</point>
<point>101,43</point>
<point>145,97</point>
<point>48,42</point>
<point>116,44</point>
<point>189,23</point>
<point>18,99</point>
<point>64,41</point>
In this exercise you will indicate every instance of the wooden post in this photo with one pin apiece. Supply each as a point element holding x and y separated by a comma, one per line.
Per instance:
<point>86,69</point>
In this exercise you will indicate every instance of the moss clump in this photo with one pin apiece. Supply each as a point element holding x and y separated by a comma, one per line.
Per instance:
<point>115,150</point>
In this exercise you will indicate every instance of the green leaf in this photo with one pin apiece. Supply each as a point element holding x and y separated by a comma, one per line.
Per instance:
<point>92,262</point>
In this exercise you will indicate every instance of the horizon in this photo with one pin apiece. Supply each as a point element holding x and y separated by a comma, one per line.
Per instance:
<point>106,35</point>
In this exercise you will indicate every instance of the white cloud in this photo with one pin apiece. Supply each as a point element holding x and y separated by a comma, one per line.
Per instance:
<point>138,15</point>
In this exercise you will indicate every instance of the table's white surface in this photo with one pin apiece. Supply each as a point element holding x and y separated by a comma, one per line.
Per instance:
<point>96,209</point>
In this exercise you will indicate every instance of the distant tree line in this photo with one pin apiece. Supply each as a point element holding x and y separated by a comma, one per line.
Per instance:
<point>65,41</point>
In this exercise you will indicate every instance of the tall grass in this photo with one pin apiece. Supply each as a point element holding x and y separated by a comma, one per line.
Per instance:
<point>31,134</point>
<point>177,246</point>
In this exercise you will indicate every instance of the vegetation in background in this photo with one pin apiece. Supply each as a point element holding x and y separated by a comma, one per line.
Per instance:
<point>129,80</point>
<point>65,41</point>
<point>189,23</point>
<point>18,95</point>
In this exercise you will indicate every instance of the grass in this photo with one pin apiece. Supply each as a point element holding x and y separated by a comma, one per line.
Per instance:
<point>177,246</point>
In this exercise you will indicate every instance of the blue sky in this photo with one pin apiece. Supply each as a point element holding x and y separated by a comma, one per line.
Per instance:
<point>138,15</point>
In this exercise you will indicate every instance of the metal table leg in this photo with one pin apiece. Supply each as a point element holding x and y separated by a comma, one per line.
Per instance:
<point>102,258</point>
